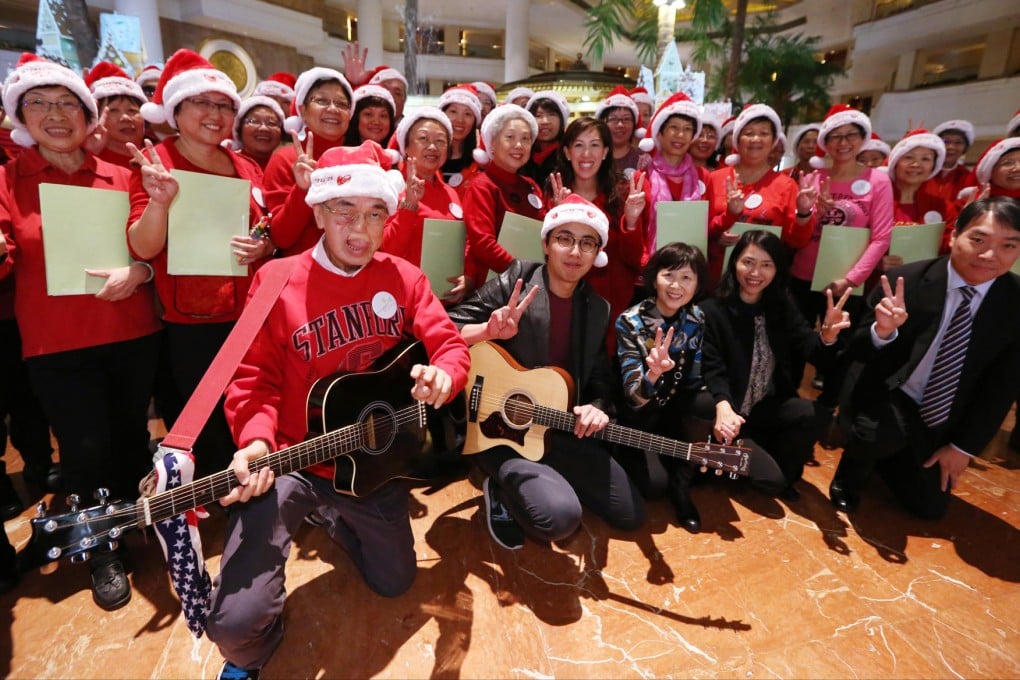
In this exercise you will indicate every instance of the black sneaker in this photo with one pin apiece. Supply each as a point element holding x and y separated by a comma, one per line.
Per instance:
<point>502,526</point>
<point>232,672</point>
<point>110,586</point>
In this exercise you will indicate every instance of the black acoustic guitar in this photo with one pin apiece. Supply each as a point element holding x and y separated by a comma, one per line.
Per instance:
<point>369,423</point>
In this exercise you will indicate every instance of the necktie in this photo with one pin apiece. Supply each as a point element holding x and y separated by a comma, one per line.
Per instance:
<point>945,372</point>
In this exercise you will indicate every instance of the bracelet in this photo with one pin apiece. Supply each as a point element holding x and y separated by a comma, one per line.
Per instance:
<point>152,272</point>
<point>809,213</point>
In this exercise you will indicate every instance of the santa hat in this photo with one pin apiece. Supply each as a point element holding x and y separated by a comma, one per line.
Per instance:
<point>556,98</point>
<point>640,96</point>
<point>32,72</point>
<point>816,127</point>
<point>620,98</point>
<point>364,171</point>
<point>919,139</point>
<point>382,73</point>
<point>727,128</point>
<point>149,74</point>
<point>465,95</point>
<point>249,104</point>
<point>838,116</point>
<point>408,121</point>
<point>303,86</point>
<point>279,84</point>
<point>964,127</point>
<point>186,74</point>
<point>517,93</point>
<point>109,80</point>
<point>989,158</point>
<point>494,122</point>
<point>875,143</point>
<point>677,105</point>
<point>377,91</point>
<point>487,89</point>
<point>750,112</point>
<point>1014,125</point>
<point>575,209</point>
<point>709,121</point>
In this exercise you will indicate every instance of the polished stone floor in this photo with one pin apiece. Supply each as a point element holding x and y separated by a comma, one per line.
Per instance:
<point>768,589</point>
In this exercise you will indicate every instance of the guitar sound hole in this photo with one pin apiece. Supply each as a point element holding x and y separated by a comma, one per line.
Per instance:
<point>518,410</point>
<point>378,427</point>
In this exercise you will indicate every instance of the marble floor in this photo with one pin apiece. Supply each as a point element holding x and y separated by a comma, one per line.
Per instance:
<point>768,589</point>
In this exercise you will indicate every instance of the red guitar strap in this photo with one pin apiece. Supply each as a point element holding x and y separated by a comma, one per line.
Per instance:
<point>196,412</point>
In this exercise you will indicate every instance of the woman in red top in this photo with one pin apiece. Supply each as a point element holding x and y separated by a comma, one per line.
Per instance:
<point>373,116</point>
<point>912,162</point>
<point>586,169</point>
<point>955,176</point>
<point>998,169</point>
<point>199,311</point>
<point>464,109</point>
<point>90,358</point>
<point>748,190</point>
<point>423,138</point>
<point>258,129</point>
<point>323,104</point>
<point>507,133</point>
<point>551,112</point>
<point>120,102</point>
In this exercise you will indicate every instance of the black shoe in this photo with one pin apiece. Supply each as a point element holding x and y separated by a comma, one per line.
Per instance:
<point>10,503</point>
<point>842,497</point>
<point>686,512</point>
<point>232,672</point>
<point>110,586</point>
<point>502,526</point>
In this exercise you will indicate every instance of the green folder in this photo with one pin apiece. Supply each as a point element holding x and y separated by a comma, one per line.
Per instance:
<point>684,221</point>
<point>442,252</point>
<point>741,227</point>
<point>82,229</point>
<point>915,242</point>
<point>207,211</point>
<point>521,237</point>
<point>838,252</point>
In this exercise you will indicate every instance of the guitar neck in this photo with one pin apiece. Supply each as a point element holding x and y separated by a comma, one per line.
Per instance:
<point>617,434</point>
<point>163,506</point>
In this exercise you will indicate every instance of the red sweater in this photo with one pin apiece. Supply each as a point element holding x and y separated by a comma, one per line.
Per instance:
<point>927,207</point>
<point>64,322</point>
<point>324,322</point>
<point>948,183</point>
<point>404,229</point>
<point>198,299</point>
<point>293,226</point>
<point>491,195</point>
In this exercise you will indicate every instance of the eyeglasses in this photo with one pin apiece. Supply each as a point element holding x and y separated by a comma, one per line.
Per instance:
<point>346,217</point>
<point>68,106</point>
<point>441,142</point>
<point>848,137</point>
<point>1008,164</point>
<point>619,120</point>
<point>586,244</point>
<point>208,106</point>
<point>262,122</point>
<point>325,103</point>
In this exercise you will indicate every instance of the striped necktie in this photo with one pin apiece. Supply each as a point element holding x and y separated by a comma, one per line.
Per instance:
<point>945,372</point>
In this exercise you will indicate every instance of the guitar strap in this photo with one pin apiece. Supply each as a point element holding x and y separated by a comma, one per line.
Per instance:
<point>195,413</point>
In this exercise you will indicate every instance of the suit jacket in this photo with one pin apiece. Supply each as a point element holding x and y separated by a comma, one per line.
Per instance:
<point>990,377</point>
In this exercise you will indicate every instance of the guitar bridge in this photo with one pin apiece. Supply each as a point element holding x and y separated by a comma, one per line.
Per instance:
<point>475,399</point>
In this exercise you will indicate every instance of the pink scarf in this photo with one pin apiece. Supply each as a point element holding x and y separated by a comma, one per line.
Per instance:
<point>686,172</point>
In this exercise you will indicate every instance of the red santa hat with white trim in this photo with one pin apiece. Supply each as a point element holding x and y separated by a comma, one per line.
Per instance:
<point>33,71</point>
<point>575,209</point>
<point>399,138</point>
<point>838,116</point>
<point>641,96</point>
<point>677,105</point>
<point>487,89</point>
<point>186,74</point>
<point>465,95</point>
<point>727,128</point>
<point>749,113</point>
<point>378,91</point>
<point>149,74</point>
<point>381,74</point>
<point>517,93</point>
<point>876,143</point>
<point>985,164</point>
<point>494,122</point>
<point>364,171</point>
<point>556,98</point>
<point>246,106</point>
<point>816,127</point>
<point>304,85</point>
<point>919,139</point>
<point>279,84</point>
<point>107,80</point>
<point>964,127</point>
<point>1014,125</point>
<point>620,98</point>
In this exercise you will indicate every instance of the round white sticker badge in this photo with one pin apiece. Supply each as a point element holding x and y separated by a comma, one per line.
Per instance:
<point>456,211</point>
<point>753,201</point>
<point>861,187</point>
<point>535,201</point>
<point>384,304</point>
<point>257,195</point>
<point>701,187</point>
<point>932,217</point>
<point>456,179</point>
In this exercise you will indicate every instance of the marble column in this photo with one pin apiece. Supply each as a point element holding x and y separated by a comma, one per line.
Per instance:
<point>147,12</point>
<point>370,32</point>
<point>515,44</point>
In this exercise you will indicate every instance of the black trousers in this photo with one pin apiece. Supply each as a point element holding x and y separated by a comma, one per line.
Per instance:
<point>97,402</point>
<point>29,429</point>
<point>893,440</point>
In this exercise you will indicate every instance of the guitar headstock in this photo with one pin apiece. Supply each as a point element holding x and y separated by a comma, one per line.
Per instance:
<point>735,460</point>
<point>74,534</point>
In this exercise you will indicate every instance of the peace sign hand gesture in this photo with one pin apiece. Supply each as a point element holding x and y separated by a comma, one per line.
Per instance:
<point>305,162</point>
<point>658,359</point>
<point>824,201</point>
<point>558,192</point>
<point>835,318</point>
<point>503,322</point>
<point>634,206</point>
<point>414,188</point>
<point>156,179</point>
<point>808,194</point>
<point>891,310</point>
<point>734,195</point>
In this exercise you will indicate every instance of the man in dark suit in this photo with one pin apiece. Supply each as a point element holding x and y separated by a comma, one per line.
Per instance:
<point>929,389</point>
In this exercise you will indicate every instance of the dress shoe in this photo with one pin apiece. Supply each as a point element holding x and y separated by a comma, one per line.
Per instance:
<point>842,497</point>
<point>686,512</point>
<point>110,586</point>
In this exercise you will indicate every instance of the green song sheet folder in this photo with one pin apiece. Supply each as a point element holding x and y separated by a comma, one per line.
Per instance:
<point>207,211</point>
<point>684,221</point>
<point>915,242</point>
<point>838,252</point>
<point>442,252</point>
<point>521,237</point>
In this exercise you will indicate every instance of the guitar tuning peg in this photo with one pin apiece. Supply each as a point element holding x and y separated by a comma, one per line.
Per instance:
<point>703,468</point>
<point>72,501</point>
<point>101,494</point>
<point>739,443</point>
<point>718,472</point>
<point>41,510</point>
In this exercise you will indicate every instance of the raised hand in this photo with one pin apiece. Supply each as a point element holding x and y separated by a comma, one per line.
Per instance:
<point>825,201</point>
<point>305,162</point>
<point>658,359</point>
<point>734,195</point>
<point>635,204</point>
<point>891,310</point>
<point>432,384</point>
<point>503,322</point>
<point>558,192</point>
<point>354,64</point>
<point>156,179</point>
<point>808,194</point>
<point>415,185</point>
<point>835,318</point>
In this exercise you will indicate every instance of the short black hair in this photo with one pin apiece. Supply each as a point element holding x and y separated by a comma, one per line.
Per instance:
<point>1005,211</point>
<point>773,295</point>
<point>676,255</point>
